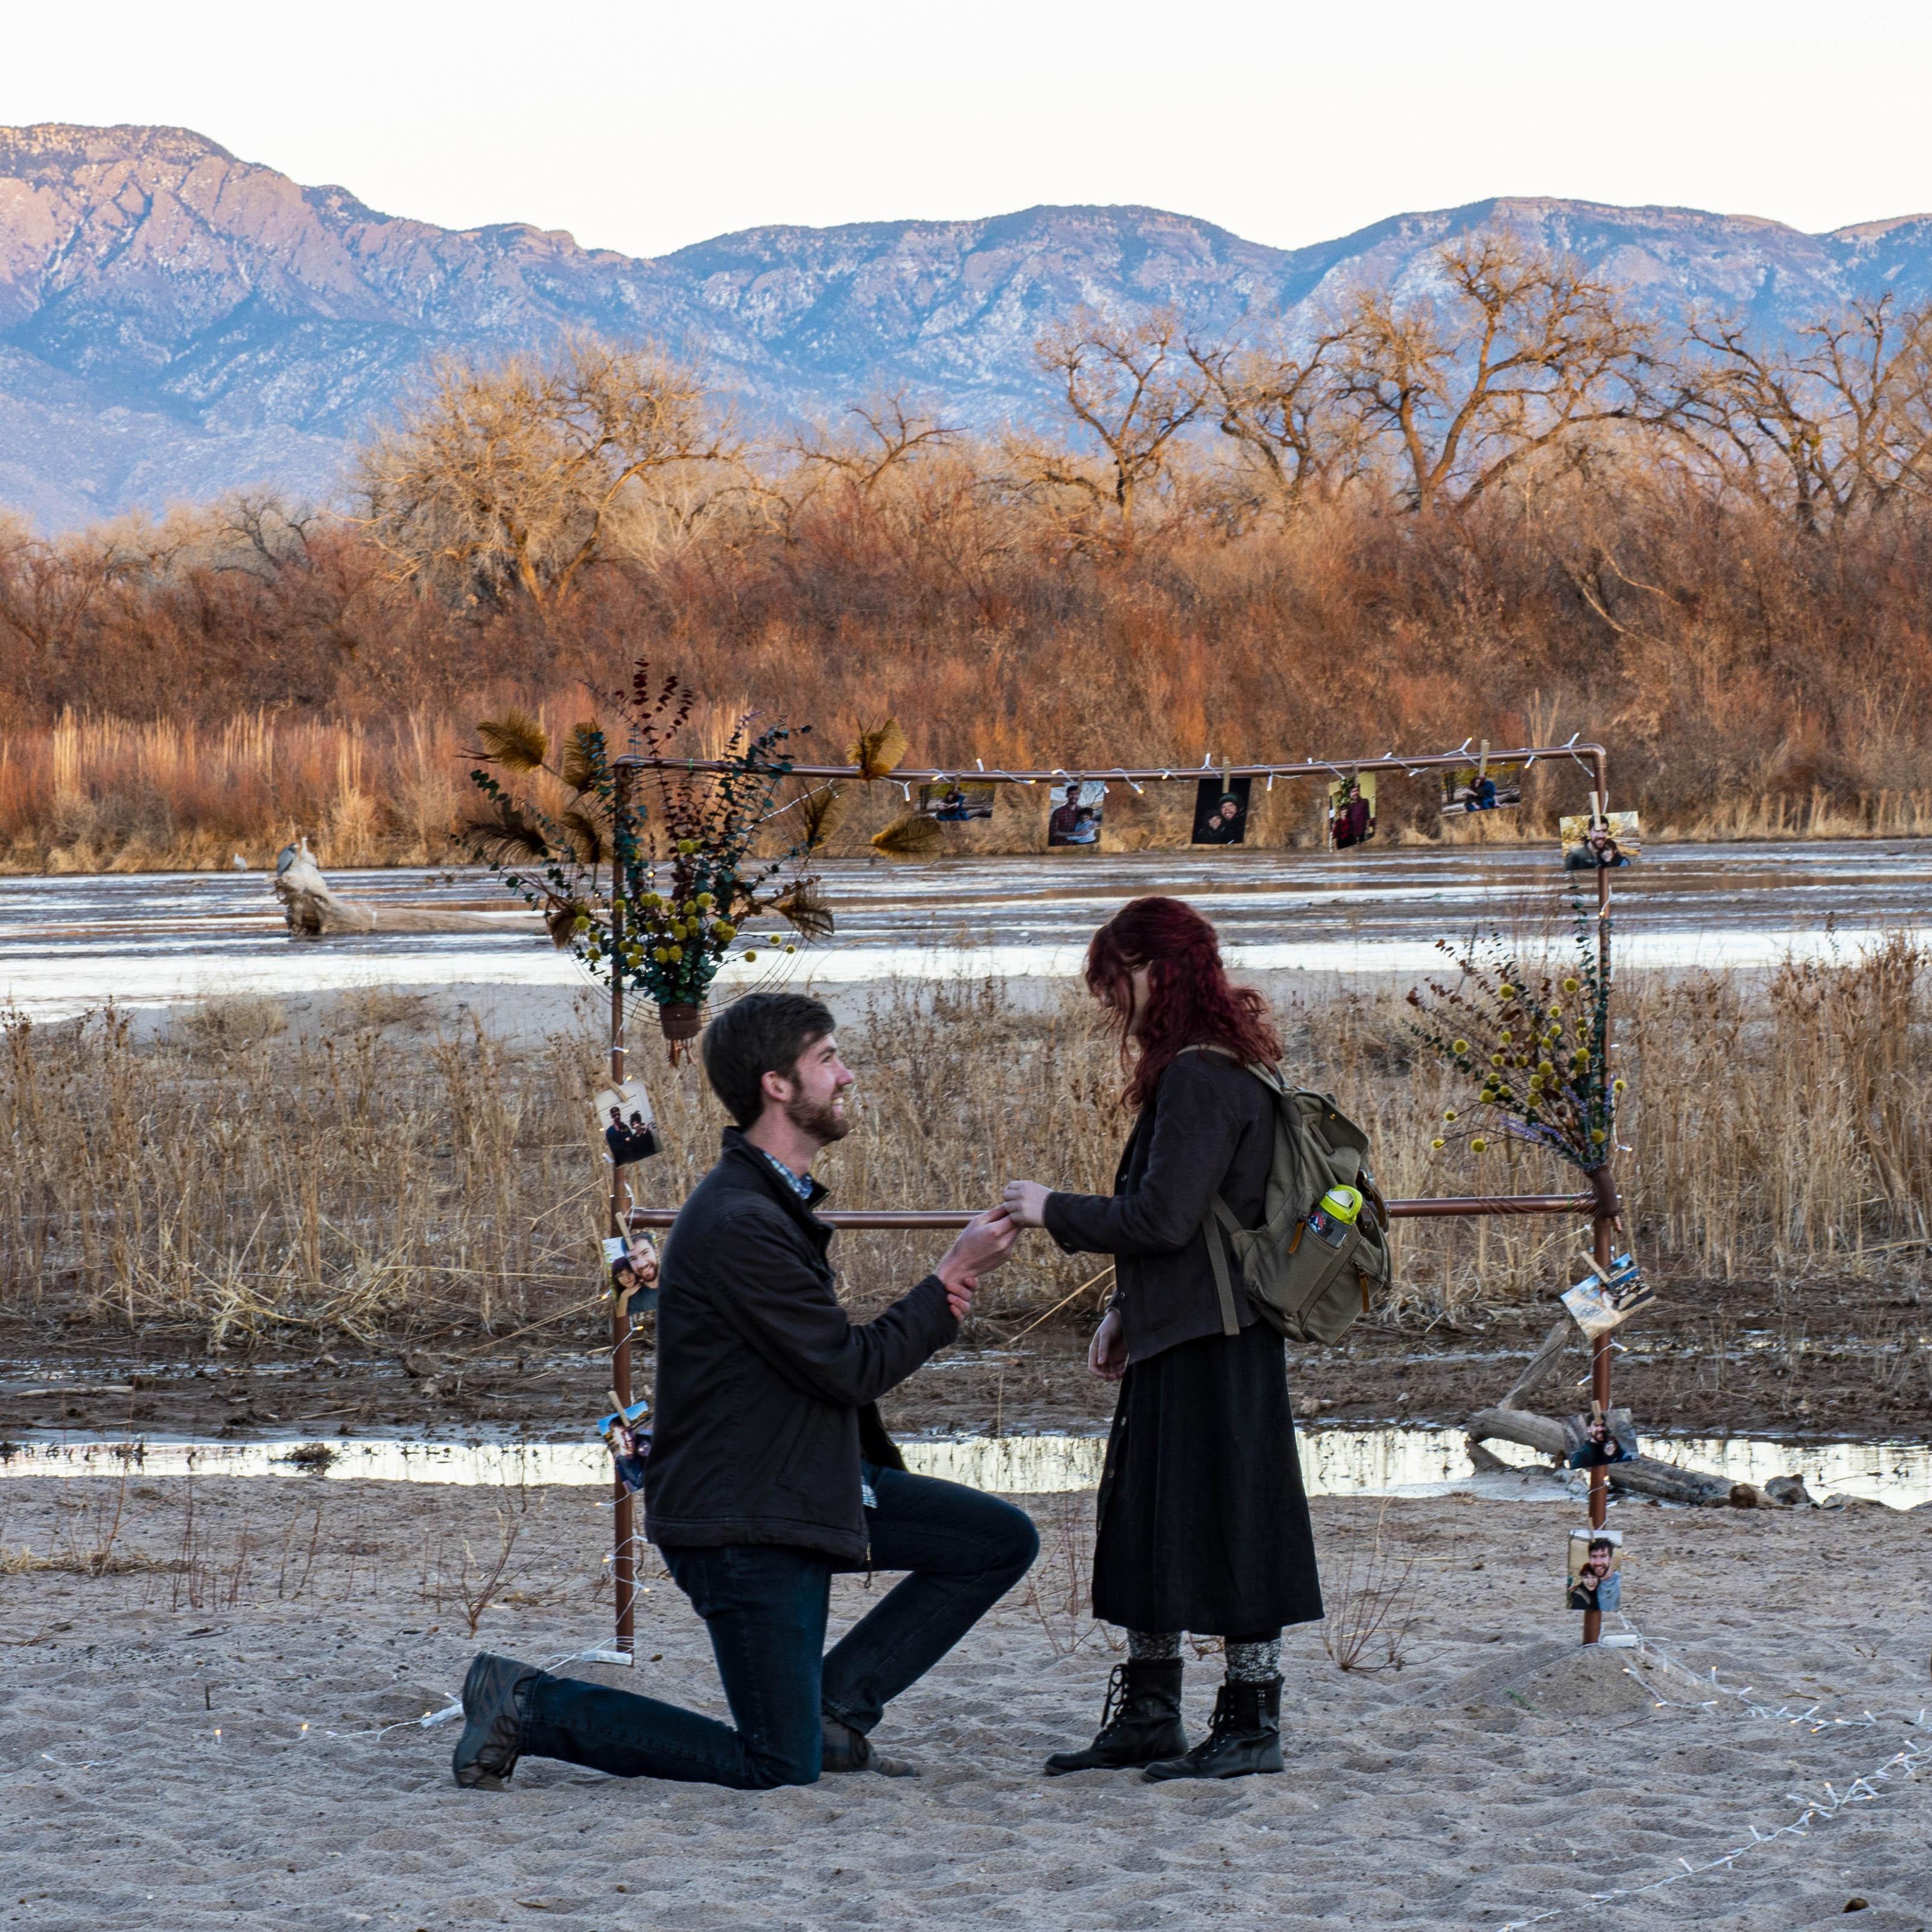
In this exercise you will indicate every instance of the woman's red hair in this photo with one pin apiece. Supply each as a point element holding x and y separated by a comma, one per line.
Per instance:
<point>1191,1001</point>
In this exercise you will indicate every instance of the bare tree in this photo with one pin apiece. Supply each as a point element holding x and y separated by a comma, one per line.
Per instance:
<point>1133,388</point>
<point>1514,352</point>
<point>51,592</point>
<point>1282,412</point>
<point>1842,425</point>
<point>890,430</point>
<point>517,479</point>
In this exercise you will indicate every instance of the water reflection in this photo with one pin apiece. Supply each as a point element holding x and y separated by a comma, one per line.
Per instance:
<point>1335,1462</point>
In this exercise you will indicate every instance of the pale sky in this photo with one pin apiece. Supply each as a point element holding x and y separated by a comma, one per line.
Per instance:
<point>642,126</point>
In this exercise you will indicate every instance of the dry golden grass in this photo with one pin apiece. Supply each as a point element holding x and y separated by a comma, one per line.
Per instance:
<point>244,1179</point>
<point>189,709</point>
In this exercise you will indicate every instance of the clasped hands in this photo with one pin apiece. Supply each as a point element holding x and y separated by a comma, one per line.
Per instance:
<point>986,1240</point>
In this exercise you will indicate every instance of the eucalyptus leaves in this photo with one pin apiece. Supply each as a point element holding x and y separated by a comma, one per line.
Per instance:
<point>1537,1044</point>
<point>681,850</point>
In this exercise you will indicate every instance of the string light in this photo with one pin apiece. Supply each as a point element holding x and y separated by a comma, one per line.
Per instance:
<point>1902,1765</point>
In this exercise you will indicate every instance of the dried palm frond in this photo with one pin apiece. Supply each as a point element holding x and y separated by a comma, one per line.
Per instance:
<point>808,908</point>
<point>909,837</point>
<point>820,813</point>
<point>878,752</point>
<point>507,837</point>
<point>585,834</point>
<point>561,919</point>
<point>581,751</point>
<point>515,741</point>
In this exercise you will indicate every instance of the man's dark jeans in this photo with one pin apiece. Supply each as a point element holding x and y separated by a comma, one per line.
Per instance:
<point>765,1606</point>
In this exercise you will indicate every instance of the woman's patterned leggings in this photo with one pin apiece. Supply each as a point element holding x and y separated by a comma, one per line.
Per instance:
<point>1250,1660</point>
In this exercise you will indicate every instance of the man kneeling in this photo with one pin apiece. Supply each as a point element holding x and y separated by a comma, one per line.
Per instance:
<point>770,1471</point>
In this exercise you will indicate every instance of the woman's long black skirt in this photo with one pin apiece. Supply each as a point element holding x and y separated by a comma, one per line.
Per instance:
<point>1203,1520</point>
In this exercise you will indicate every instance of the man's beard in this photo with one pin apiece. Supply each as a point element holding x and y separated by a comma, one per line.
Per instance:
<point>821,1121</point>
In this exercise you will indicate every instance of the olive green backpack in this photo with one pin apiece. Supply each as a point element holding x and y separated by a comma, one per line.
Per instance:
<point>1309,1274</point>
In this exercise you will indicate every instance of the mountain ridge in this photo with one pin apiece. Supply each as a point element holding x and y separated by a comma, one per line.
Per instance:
<point>176,320</point>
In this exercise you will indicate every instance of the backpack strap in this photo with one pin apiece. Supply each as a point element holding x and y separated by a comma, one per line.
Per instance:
<point>1224,1286</point>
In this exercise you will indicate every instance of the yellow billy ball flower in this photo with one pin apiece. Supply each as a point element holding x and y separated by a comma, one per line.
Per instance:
<point>1479,1145</point>
<point>1572,984</point>
<point>1618,1086</point>
<point>706,901</point>
<point>1449,1113</point>
<point>661,953</point>
<point>1597,1136</point>
<point>1439,1142</point>
<point>1499,1060</point>
<point>685,847</point>
<point>1505,991</point>
<point>676,953</point>
<point>749,954</point>
<point>1459,1046</point>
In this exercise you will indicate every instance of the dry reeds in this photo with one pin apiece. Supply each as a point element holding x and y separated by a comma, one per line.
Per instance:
<point>244,1179</point>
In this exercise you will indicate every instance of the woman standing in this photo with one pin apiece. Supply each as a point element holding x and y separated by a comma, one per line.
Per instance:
<point>1203,1524</point>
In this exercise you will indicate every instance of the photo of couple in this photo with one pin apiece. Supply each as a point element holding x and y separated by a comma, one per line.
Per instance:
<point>633,1262</point>
<point>1352,811</point>
<point>1596,1580</point>
<point>1482,787</point>
<point>1076,817</point>
<point>1221,812</point>
<point>1595,843</point>
<point>1600,1303</point>
<point>956,800</point>
<point>623,1114</point>
<point>1602,1437</point>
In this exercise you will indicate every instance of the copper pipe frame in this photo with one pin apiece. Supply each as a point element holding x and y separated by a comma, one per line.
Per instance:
<point>1601,1203</point>
<point>624,1547</point>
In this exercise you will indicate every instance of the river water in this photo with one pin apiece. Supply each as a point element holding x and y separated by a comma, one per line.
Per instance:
<point>1373,1462</point>
<point>68,944</point>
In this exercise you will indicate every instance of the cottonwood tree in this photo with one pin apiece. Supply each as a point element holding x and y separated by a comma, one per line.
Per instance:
<point>881,433</point>
<point>1842,425</point>
<point>515,479</point>
<point>1508,352</point>
<point>52,593</point>
<point>1131,388</point>
<point>877,442</point>
<point>1282,410</point>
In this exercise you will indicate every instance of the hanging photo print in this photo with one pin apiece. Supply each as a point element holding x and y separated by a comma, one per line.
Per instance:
<point>1593,841</point>
<point>1221,810</point>
<point>625,1118</point>
<point>956,800</point>
<point>1596,1574</point>
<point>633,1262</point>
<point>628,1443</point>
<point>1603,1436</point>
<point>1481,787</point>
<point>1352,810</point>
<point>1600,1303</point>
<point>1077,807</point>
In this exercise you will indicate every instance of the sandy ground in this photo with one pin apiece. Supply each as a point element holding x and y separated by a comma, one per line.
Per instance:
<point>158,1775</point>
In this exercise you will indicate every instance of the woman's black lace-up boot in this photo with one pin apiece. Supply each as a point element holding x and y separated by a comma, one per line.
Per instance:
<point>1140,1721</point>
<point>1244,1738</point>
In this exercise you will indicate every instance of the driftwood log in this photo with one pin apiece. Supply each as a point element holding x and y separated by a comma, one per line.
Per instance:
<point>314,910</point>
<point>1641,1475</point>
